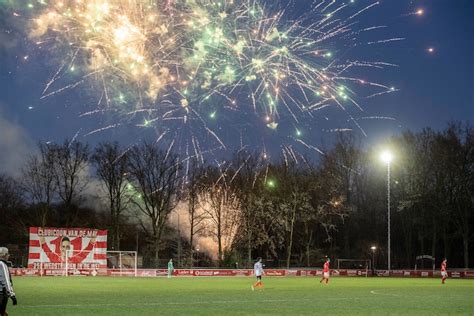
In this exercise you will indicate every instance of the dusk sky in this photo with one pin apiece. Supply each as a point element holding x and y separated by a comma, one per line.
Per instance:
<point>432,83</point>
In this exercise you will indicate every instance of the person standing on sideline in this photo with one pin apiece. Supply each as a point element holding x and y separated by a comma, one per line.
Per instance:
<point>444,272</point>
<point>170,268</point>
<point>6,286</point>
<point>258,269</point>
<point>326,271</point>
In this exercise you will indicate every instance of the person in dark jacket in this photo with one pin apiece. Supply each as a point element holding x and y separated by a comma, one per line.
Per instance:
<point>6,286</point>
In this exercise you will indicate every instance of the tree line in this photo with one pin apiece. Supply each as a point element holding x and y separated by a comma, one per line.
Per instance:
<point>292,212</point>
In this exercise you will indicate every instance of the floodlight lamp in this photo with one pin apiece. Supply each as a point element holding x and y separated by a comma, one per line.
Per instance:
<point>386,157</point>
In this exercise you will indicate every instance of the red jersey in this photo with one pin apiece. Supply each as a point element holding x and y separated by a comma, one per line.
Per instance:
<point>326,267</point>
<point>443,265</point>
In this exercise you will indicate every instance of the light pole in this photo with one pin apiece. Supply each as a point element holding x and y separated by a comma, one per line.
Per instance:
<point>373,248</point>
<point>197,255</point>
<point>387,158</point>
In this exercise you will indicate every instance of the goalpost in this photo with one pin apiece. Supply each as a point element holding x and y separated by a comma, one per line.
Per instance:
<point>82,262</point>
<point>124,261</point>
<point>355,264</point>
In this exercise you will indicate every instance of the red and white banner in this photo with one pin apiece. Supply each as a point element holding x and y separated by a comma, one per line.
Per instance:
<point>71,248</point>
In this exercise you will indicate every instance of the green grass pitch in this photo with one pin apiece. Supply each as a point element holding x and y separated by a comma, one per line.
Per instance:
<point>233,296</point>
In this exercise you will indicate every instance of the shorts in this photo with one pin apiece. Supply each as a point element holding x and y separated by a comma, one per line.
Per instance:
<point>326,275</point>
<point>259,277</point>
<point>444,274</point>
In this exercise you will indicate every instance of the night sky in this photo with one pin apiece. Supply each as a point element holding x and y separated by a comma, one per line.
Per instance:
<point>434,79</point>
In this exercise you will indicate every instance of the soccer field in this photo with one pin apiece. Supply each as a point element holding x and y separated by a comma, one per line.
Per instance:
<point>233,296</point>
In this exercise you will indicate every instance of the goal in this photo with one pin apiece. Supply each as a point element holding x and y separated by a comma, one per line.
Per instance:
<point>122,263</point>
<point>355,264</point>
<point>118,263</point>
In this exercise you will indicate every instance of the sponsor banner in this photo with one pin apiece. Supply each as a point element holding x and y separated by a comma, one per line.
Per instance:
<point>454,274</point>
<point>78,248</point>
<point>183,272</point>
<point>226,273</point>
<point>48,272</point>
<point>27,272</point>
<point>203,272</point>
<point>305,273</point>
<point>275,272</point>
<point>242,272</point>
<point>146,273</point>
<point>118,272</point>
<point>77,272</point>
<point>469,274</point>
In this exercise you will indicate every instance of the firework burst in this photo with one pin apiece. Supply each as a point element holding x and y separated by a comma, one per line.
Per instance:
<point>204,73</point>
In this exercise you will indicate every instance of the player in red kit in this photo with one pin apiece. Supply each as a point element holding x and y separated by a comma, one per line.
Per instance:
<point>325,271</point>
<point>444,273</point>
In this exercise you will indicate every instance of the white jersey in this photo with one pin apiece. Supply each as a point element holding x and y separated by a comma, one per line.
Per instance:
<point>258,268</point>
<point>5,280</point>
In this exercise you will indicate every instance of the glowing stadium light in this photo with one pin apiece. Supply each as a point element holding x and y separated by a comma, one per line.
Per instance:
<point>386,157</point>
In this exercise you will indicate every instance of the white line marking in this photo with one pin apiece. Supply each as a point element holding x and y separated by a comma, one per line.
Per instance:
<point>419,296</point>
<point>386,294</point>
<point>197,302</point>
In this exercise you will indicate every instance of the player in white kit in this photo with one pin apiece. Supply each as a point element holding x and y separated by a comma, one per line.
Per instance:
<point>258,270</point>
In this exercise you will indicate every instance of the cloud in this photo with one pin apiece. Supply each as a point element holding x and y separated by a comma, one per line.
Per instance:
<point>15,146</point>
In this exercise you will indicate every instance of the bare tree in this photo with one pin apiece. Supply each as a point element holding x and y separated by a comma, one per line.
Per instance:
<point>195,214</point>
<point>221,204</point>
<point>39,181</point>
<point>70,161</point>
<point>291,200</point>
<point>340,169</point>
<point>111,165</point>
<point>11,206</point>
<point>456,159</point>
<point>155,176</point>
<point>248,183</point>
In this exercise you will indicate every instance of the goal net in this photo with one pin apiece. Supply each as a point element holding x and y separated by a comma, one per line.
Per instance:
<point>119,263</point>
<point>122,263</point>
<point>363,265</point>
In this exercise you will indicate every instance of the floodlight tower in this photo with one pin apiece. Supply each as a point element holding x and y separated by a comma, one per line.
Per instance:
<point>387,158</point>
